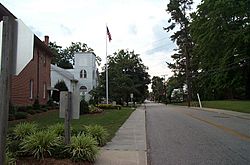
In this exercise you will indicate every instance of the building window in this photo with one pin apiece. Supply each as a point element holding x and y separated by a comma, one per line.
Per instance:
<point>81,74</point>
<point>44,90</point>
<point>83,90</point>
<point>85,74</point>
<point>31,89</point>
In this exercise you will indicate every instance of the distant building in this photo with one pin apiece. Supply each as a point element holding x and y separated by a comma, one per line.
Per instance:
<point>85,72</point>
<point>31,75</point>
<point>60,74</point>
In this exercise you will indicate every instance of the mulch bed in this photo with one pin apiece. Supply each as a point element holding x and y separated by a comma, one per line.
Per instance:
<point>50,161</point>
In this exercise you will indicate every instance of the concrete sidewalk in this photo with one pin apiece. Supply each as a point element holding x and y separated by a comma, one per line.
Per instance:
<point>128,147</point>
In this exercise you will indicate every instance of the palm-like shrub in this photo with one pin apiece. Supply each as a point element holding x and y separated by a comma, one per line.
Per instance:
<point>83,148</point>
<point>57,128</point>
<point>23,129</point>
<point>40,144</point>
<point>98,133</point>
<point>9,158</point>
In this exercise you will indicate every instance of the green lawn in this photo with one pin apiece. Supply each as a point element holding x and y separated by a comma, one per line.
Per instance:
<point>109,119</point>
<point>240,106</point>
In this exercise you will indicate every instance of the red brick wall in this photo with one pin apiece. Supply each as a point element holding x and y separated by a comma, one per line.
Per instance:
<point>36,70</point>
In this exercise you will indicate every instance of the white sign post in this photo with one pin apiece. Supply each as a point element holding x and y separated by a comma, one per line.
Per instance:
<point>131,96</point>
<point>199,100</point>
<point>69,108</point>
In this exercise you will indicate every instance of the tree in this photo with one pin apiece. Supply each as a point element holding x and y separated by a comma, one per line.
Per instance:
<point>61,86</point>
<point>180,19</point>
<point>64,58</point>
<point>221,33</point>
<point>158,89</point>
<point>74,48</point>
<point>173,83</point>
<point>60,56</point>
<point>127,74</point>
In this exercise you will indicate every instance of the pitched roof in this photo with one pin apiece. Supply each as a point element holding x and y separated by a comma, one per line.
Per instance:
<point>5,12</point>
<point>63,72</point>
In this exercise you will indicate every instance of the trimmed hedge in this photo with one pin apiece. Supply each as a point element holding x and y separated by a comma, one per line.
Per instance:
<point>84,107</point>
<point>109,106</point>
<point>21,115</point>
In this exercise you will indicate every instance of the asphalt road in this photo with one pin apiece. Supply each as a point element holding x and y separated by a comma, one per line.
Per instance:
<point>182,136</point>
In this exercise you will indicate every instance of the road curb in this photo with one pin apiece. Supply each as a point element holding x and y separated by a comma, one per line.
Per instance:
<point>240,115</point>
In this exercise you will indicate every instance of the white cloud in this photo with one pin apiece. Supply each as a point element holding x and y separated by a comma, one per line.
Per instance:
<point>136,25</point>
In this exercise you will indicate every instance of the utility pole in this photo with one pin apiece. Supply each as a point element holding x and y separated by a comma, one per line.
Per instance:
<point>5,82</point>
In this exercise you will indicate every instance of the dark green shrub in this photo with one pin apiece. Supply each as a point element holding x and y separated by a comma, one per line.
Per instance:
<point>12,112</point>
<point>23,129</point>
<point>109,106</point>
<point>31,111</point>
<point>44,109</point>
<point>75,132</point>
<point>11,117</point>
<point>9,159</point>
<point>40,144</point>
<point>98,133</point>
<point>60,151</point>
<point>13,145</point>
<point>83,148</point>
<point>36,104</point>
<point>44,106</point>
<point>29,107</point>
<point>61,86</point>
<point>84,107</point>
<point>12,109</point>
<point>21,115</point>
<point>57,128</point>
<point>50,102</point>
<point>38,111</point>
<point>22,109</point>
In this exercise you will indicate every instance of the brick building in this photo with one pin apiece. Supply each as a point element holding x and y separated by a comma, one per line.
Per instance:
<point>32,79</point>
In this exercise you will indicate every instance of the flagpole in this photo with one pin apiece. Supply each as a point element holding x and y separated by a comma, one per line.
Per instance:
<point>107,83</point>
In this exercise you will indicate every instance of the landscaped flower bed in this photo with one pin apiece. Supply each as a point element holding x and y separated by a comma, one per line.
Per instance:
<point>27,143</point>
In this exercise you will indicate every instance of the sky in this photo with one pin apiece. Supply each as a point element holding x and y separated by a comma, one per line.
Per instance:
<point>134,25</point>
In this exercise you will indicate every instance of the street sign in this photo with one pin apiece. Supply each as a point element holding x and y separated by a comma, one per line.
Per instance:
<point>75,104</point>
<point>23,45</point>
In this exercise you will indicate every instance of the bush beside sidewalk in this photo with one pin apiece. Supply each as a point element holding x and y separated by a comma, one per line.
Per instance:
<point>109,119</point>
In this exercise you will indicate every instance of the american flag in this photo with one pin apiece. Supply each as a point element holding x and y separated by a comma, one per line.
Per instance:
<point>108,33</point>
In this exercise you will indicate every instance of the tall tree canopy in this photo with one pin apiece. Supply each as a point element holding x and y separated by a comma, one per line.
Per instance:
<point>127,74</point>
<point>221,33</point>
<point>180,20</point>
<point>158,89</point>
<point>64,58</point>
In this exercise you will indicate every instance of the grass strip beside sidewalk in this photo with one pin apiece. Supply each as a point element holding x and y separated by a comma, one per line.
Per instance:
<point>111,119</point>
